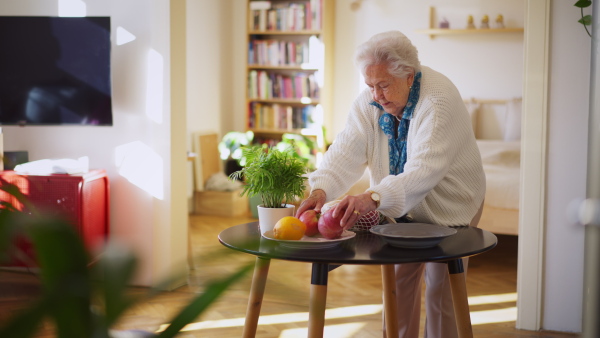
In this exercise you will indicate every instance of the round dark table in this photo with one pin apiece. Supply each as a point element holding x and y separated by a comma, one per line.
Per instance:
<point>364,248</point>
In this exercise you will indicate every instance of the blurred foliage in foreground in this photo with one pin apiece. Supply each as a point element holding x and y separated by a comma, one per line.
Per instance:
<point>80,296</point>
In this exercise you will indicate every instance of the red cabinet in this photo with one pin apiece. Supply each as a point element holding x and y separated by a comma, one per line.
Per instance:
<point>82,199</point>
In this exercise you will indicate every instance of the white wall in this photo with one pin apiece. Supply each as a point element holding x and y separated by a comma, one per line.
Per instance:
<point>567,160</point>
<point>140,205</point>
<point>216,84</point>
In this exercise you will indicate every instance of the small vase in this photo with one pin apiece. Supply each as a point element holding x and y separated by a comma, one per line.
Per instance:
<point>268,217</point>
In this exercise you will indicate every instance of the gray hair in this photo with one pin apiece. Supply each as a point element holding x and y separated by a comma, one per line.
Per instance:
<point>392,48</point>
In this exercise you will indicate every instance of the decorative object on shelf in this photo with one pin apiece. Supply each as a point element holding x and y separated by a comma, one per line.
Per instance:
<point>435,28</point>
<point>499,21</point>
<point>485,22</point>
<point>470,22</point>
<point>444,23</point>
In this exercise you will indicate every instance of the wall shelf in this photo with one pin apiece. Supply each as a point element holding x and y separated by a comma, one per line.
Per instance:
<point>433,32</point>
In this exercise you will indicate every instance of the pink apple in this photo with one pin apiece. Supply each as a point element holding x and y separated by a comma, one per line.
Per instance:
<point>311,219</point>
<point>329,226</point>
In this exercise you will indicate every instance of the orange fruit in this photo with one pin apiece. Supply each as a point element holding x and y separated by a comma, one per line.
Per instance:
<point>289,228</point>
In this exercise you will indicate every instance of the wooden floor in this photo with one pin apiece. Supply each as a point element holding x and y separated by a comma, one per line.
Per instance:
<point>353,300</point>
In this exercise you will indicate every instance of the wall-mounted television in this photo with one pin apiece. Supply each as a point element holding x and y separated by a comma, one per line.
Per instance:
<point>55,71</point>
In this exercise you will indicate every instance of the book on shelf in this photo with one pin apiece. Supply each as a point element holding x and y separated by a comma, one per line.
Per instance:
<point>257,5</point>
<point>289,16</point>
<point>268,85</point>
<point>281,117</point>
<point>274,52</point>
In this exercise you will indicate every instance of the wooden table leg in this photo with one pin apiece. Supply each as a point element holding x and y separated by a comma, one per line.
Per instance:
<point>257,291</point>
<point>389,300</point>
<point>318,299</point>
<point>460,299</point>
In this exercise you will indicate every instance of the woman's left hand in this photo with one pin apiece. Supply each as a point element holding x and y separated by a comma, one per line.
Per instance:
<point>352,207</point>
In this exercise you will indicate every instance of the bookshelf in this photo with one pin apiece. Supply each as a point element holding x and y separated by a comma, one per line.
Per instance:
<point>288,66</point>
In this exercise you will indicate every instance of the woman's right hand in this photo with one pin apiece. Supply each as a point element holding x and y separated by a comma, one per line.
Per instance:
<point>315,201</point>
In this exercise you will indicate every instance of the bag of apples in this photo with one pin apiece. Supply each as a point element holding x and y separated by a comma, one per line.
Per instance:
<point>364,223</point>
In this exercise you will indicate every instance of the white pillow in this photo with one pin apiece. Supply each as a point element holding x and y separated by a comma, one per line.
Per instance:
<point>512,124</point>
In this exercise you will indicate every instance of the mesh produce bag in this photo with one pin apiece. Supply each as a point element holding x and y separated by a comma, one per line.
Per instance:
<point>364,223</point>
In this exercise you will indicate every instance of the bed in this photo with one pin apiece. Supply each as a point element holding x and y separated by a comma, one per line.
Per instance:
<point>497,128</point>
<point>501,163</point>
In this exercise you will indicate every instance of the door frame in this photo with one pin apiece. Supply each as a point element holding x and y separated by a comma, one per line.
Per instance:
<point>530,269</point>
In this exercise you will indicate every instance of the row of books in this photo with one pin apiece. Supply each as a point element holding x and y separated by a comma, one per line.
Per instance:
<point>286,16</point>
<point>270,85</point>
<point>278,52</point>
<point>278,116</point>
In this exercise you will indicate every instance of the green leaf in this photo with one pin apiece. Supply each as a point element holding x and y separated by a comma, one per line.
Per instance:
<point>27,323</point>
<point>115,271</point>
<point>198,305</point>
<point>586,20</point>
<point>583,3</point>
<point>63,264</point>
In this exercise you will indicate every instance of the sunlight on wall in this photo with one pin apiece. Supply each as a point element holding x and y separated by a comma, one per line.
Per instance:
<point>154,86</point>
<point>124,36</point>
<point>141,166</point>
<point>71,8</point>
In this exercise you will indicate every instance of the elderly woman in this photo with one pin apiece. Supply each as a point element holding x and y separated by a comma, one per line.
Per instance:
<point>411,129</point>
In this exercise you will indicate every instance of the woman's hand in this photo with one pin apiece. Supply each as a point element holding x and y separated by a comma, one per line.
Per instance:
<point>315,201</point>
<point>352,207</point>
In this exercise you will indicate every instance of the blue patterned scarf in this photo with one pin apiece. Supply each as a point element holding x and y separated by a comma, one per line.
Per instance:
<point>397,146</point>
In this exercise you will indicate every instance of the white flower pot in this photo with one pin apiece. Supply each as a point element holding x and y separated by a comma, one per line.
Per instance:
<point>268,217</point>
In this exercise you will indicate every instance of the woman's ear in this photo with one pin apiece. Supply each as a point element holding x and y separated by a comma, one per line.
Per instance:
<point>410,79</point>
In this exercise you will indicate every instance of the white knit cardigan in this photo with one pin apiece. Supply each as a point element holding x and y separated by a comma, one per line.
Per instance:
<point>443,180</point>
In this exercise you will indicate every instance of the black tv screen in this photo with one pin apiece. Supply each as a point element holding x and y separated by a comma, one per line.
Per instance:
<point>55,71</point>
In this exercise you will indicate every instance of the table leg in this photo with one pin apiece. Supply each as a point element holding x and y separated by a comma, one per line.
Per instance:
<point>390,307</point>
<point>318,299</point>
<point>257,291</point>
<point>458,285</point>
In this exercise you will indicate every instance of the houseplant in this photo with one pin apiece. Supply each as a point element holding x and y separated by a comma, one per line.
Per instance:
<point>304,148</point>
<point>83,297</point>
<point>586,20</point>
<point>230,149</point>
<point>277,175</point>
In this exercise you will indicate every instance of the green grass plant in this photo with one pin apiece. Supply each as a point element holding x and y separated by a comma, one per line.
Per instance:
<point>277,175</point>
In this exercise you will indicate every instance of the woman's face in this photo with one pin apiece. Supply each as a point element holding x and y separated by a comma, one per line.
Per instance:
<point>389,91</point>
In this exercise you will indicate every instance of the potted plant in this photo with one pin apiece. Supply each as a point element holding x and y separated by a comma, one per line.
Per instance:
<point>278,176</point>
<point>230,149</point>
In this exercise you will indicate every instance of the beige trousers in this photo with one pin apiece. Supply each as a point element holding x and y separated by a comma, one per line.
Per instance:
<point>440,321</point>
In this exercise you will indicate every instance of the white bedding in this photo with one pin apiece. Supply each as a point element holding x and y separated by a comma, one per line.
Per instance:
<point>501,163</point>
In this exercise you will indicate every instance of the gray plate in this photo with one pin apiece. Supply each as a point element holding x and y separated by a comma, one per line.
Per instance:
<point>413,235</point>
